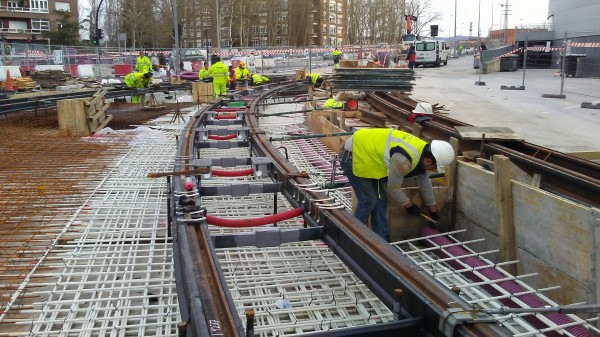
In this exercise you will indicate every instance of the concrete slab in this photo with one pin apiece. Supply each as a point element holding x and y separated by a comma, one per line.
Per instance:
<point>558,124</point>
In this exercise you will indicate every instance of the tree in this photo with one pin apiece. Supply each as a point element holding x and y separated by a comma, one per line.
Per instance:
<point>68,31</point>
<point>425,13</point>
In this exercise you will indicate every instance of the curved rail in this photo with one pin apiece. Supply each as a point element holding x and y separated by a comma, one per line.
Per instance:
<point>564,174</point>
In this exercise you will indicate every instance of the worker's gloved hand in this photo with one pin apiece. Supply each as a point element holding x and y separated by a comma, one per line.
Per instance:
<point>435,216</point>
<point>413,210</point>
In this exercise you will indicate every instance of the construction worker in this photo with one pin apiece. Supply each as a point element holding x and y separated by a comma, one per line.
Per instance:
<point>231,78</point>
<point>143,64</point>
<point>335,55</point>
<point>220,78</point>
<point>138,80</point>
<point>371,155</point>
<point>241,74</point>
<point>314,79</point>
<point>333,104</point>
<point>204,73</point>
<point>256,79</point>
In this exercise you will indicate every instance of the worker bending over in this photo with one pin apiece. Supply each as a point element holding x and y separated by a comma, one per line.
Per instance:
<point>204,73</point>
<point>257,79</point>
<point>138,80</point>
<point>315,79</point>
<point>371,155</point>
<point>143,64</point>
<point>333,104</point>
<point>220,78</point>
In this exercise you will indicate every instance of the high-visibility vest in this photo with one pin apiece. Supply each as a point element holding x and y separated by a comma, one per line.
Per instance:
<point>313,78</point>
<point>219,73</point>
<point>241,73</point>
<point>143,64</point>
<point>331,103</point>
<point>335,53</point>
<point>203,73</point>
<point>256,79</point>
<point>371,151</point>
<point>134,79</point>
<point>264,79</point>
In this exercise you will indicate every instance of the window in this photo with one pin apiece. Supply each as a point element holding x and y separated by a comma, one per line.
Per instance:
<point>39,24</point>
<point>225,43</point>
<point>206,11</point>
<point>63,6</point>
<point>427,46</point>
<point>18,25</point>
<point>253,29</point>
<point>206,22</point>
<point>278,41</point>
<point>255,42</point>
<point>58,26</point>
<point>332,18</point>
<point>38,5</point>
<point>263,30</point>
<point>284,17</point>
<point>12,4</point>
<point>263,42</point>
<point>226,31</point>
<point>207,43</point>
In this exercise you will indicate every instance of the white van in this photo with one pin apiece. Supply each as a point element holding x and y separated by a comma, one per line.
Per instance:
<point>431,52</point>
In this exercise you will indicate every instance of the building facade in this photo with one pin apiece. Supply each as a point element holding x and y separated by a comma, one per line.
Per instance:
<point>266,23</point>
<point>26,20</point>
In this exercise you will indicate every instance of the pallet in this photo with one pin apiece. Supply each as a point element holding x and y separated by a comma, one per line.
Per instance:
<point>81,116</point>
<point>95,110</point>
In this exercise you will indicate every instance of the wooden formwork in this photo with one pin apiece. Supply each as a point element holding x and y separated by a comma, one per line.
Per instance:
<point>82,116</point>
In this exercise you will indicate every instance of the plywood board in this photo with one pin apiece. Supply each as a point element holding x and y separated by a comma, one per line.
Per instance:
<point>491,133</point>
<point>322,125</point>
<point>72,117</point>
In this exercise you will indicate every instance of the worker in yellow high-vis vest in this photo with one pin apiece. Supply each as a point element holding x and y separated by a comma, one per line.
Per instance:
<point>138,80</point>
<point>372,155</point>
<point>220,77</point>
<point>142,63</point>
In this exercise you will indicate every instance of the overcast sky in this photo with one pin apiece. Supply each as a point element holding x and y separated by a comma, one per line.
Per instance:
<point>522,12</point>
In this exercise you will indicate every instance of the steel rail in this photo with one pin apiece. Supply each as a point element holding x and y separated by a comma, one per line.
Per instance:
<point>347,236</point>
<point>567,161</point>
<point>555,178</point>
<point>204,297</point>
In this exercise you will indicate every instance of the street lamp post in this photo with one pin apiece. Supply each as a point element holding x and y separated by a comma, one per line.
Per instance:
<point>176,31</point>
<point>206,40</point>
<point>455,20</point>
<point>479,22</point>
<point>218,30</point>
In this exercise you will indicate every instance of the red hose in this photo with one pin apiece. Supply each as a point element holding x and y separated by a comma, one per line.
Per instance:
<point>269,219</point>
<point>225,117</point>
<point>510,286</point>
<point>229,109</point>
<point>240,173</point>
<point>222,137</point>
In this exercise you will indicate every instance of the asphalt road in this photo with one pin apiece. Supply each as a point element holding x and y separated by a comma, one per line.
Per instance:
<point>559,124</point>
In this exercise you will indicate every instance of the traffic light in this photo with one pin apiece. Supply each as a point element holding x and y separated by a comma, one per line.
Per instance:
<point>99,34</point>
<point>95,40</point>
<point>434,30</point>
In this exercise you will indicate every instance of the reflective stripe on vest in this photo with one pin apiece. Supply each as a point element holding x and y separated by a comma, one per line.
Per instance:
<point>371,151</point>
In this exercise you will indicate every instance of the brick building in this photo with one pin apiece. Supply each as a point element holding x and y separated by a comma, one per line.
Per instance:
<point>21,20</point>
<point>262,23</point>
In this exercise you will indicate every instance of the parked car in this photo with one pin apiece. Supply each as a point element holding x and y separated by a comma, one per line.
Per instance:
<point>280,57</point>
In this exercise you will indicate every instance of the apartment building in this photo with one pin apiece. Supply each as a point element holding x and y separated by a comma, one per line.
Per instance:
<point>262,23</point>
<point>23,20</point>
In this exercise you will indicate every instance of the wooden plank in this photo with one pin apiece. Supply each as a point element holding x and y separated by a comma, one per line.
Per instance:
<point>99,113</point>
<point>452,180</point>
<point>322,125</point>
<point>416,130</point>
<point>404,226</point>
<point>348,63</point>
<point>587,155</point>
<point>72,117</point>
<point>342,120</point>
<point>504,207</point>
<point>300,74</point>
<point>101,126</point>
<point>97,97</point>
<point>491,133</point>
<point>347,114</point>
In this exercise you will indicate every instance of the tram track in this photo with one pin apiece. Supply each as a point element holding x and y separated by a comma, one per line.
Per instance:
<point>561,173</point>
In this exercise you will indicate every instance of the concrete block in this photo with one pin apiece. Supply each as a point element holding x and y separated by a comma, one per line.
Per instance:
<point>43,67</point>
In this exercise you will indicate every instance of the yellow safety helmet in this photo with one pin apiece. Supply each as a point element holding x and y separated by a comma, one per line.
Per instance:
<point>242,64</point>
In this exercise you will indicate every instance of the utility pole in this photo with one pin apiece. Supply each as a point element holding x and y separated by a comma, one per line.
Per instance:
<point>479,23</point>
<point>176,30</point>
<point>328,25</point>
<point>455,20</point>
<point>218,31</point>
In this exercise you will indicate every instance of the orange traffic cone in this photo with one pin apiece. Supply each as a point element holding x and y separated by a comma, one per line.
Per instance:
<point>8,84</point>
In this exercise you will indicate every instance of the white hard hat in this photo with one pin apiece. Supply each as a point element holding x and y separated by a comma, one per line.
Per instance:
<point>423,108</point>
<point>443,152</point>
